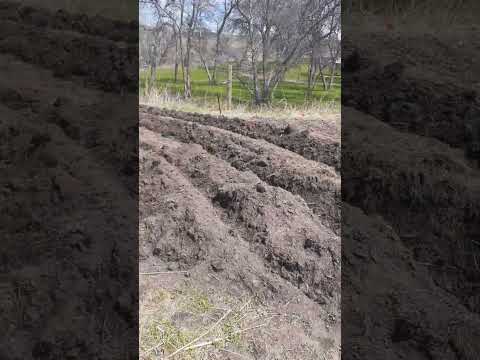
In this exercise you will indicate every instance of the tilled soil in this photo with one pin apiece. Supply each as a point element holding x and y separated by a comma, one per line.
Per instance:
<point>72,47</point>
<point>318,143</point>
<point>67,191</point>
<point>263,219</point>
<point>411,198</point>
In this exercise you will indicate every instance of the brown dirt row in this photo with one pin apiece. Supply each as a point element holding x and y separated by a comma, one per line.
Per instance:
<point>199,213</point>
<point>442,57</point>
<point>433,188</point>
<point>410,217</point>
<point>413,316</point>
<point>35,93</point>
<point>279,227</point>
<point>61,20</point>
<point>410,100</point>
<point>316,183</point>
<point>99,62</point>
<point>421,197</point>
<point>320,143</point>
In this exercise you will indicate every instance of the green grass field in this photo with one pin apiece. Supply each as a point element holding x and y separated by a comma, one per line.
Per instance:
<point>290,91</point>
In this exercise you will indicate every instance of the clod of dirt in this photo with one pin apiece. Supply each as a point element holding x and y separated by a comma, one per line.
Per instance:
<point>394,71</point>
<point>260,188</point>
<point>217,265</point>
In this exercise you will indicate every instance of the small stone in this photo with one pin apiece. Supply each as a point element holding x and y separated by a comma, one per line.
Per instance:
<point>261,163</point>
<point>217,265</point>
<point>261,188</point>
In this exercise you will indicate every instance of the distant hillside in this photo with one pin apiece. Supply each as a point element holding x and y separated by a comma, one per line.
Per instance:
<point>232,47</point>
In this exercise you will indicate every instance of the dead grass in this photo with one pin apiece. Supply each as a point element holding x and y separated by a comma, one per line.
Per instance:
<point>188,324</point>
<point>314,111</point>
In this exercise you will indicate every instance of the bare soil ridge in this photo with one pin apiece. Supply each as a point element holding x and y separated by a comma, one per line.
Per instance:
<point>263,220</point>
<point>321,144</point>
<point>410,197</point>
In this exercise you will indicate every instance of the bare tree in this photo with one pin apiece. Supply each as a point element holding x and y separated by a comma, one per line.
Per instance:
<point>324,52</point>
<point>278,33</point>
<point>217,13</point>
<point>194,15</point>
<point>155,42</point>
<point>334,49</point>
<point>184,17</point>
<point>221,21</point>
<point>201,46</point>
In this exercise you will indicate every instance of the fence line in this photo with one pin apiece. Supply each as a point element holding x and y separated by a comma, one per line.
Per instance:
<point>293,89</point>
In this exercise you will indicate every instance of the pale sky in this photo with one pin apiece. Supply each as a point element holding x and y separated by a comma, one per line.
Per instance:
<point>145,15</point>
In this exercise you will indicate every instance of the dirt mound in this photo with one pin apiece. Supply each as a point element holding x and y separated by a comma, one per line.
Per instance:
<point>262,219</point>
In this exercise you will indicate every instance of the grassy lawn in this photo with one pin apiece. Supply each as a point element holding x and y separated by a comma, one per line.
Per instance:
<point>291,90</point>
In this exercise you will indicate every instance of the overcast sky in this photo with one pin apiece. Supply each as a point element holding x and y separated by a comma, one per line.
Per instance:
<point>146,15</point>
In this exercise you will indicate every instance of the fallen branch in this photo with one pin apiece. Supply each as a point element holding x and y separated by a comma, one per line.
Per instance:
<point>164,272</point>
<point>216,340</point>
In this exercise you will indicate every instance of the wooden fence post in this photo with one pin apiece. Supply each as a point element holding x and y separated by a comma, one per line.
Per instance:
<point>229,87</point>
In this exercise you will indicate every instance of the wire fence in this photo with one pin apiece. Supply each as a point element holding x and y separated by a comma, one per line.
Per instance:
<point>292,90</point>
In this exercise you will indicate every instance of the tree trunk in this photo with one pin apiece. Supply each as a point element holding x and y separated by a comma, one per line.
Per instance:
<point>215,60</point>
<point>175,74</point>
<point>217,43</point>
<point>332,76</point>
<point>187,83</point>
<point>324,81</point>
<point>205,66</point>
<point>152,81</point>
<point>229,88</point>
<point>311,76</point>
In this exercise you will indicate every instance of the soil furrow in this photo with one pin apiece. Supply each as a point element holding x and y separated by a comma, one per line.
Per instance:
<point>48,100</point>
<point>180,228</point>
<point>434,189</point>
<point>407,304</point>
<point>426,107</point>
<point>320,143</point>
<point>316,183</point>
<point>62,20</point>
<point>69,55</point>
<point>278,226</point>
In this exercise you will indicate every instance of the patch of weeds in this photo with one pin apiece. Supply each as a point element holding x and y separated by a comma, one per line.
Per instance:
<point>161,295</point>
<point>162,336</point>
<point>203,332</point>
<point>196,302</point>
<point>174,337</point>
<point>230,330</point>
